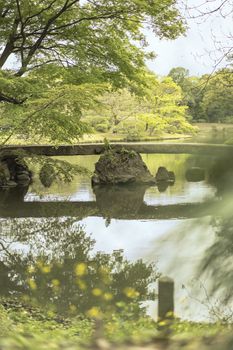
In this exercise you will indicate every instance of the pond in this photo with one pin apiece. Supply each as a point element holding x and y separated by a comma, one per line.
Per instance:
<point>176,228</point>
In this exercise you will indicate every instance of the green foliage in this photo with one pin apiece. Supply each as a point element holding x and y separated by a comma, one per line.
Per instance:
<point>90,32</point>
<point>217,98</point>
<point>35,329</point>
<point>209,97</point>
<point>5,323</point>
<point>66,51</point>
<point>163,110</point>
<point>118,105</point>
<point>57,169</point>
<point>53,110</point>
<point>157,110</point>
<point>62,274</point>
<point>179,75</point>
<point>132,135</point>
<point>104,127</point>
<point>191,91</point>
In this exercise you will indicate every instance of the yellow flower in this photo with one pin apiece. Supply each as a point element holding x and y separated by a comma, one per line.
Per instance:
<point>55,282</point>
<point>108,296</point>
<point>45,268</point>
<point>82,285</point>
<point>31,269</point>
<point>32,284</point>
<point>94,312</point>
<point>131,292</point>
<point>96,292</point>
<point>81,269</point>
<point>55,285</point>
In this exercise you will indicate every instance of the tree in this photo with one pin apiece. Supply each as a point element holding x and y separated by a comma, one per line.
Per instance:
<point>217,98</point>
<point>179,75</point>
<point>163,110</point>
<point>192,90</point>
<point>118,106</point>
<point>158,109</point>
<point>68,31</point>
<point>73,43</point>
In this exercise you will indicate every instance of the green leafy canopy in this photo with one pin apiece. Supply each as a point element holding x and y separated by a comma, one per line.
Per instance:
<point>65,50</point>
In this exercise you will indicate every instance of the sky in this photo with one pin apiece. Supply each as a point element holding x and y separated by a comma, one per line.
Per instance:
<point>199,50</point>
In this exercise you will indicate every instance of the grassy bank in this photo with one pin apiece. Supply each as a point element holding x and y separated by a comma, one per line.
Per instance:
<point>206,132</point>
<point>100,137</point>
<point>26,327</point>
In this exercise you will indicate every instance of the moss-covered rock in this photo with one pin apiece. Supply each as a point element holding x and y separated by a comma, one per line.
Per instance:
<point>14,171</point>
<point>120,167</point>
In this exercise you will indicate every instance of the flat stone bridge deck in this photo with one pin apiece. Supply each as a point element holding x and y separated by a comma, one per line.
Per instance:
<point>141,147</point>
<point>81,210</point>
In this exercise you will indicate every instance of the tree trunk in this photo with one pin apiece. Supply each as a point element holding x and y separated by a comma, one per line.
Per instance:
<point>6,53</point>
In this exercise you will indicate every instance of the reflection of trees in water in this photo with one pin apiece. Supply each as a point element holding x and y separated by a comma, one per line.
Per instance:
<point>218,260</point>
<point>58,268</point>
<point>221,175</point>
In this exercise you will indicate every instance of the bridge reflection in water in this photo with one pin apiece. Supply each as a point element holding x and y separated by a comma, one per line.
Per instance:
<point>112,202</point>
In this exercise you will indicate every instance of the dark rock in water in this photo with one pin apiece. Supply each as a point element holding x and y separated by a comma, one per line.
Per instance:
<point>14,171</point>
<point>4,174</point>
<point>164,178</point>
<point>195,174</point>
<point>172,177</point>
<point>23,178</point>
<point>23,172</point>
<point>10,184</point>
<point>162,174</point>
<point>47,175</point>
<point>120,167</point>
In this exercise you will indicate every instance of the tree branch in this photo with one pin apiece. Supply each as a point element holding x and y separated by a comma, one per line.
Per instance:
<point>44,33</point>
<point>9,99</point>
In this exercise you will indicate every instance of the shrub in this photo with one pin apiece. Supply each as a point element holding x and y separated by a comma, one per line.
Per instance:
<point>5,322</point>
<point>103,127</point>
<point>133,135</point>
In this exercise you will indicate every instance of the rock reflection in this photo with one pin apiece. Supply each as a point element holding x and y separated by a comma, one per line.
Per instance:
<point>125,202</point>
<point>119,200</point>
<point>12,195</point>
<point>51,263</point>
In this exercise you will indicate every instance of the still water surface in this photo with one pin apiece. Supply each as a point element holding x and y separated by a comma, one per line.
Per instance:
<point>166,226</point>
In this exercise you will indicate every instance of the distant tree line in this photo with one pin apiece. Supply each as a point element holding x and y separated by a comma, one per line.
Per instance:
<point>209,97</point>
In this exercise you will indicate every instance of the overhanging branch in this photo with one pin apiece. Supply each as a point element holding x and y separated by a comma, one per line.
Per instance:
<point>9,99</point>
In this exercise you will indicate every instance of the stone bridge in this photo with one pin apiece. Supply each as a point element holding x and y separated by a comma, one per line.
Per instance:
<point>81,210</point>
<point>141,147</point>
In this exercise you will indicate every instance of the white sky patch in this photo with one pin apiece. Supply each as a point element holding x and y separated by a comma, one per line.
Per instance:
<point>206,41</point>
